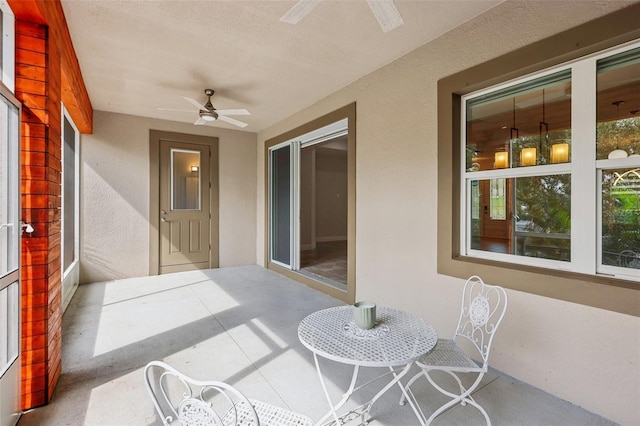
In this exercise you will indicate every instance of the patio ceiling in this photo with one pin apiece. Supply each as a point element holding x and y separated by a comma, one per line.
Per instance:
<point>138,56</point>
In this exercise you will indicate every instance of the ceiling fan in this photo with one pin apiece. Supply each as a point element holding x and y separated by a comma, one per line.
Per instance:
<point>385,12</point>
<point>207,113</point>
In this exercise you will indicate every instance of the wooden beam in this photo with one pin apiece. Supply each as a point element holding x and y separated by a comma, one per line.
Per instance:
<point>74,92</point>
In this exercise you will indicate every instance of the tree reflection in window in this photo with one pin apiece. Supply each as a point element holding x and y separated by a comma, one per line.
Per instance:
<point>621,218</point>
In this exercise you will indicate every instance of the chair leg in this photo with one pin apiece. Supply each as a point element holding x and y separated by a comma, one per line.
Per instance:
<point>463,398</point>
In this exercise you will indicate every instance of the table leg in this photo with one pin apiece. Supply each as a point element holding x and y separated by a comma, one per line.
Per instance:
<point>345,397</point>
<point>407,397</point>
<point>396,379</point>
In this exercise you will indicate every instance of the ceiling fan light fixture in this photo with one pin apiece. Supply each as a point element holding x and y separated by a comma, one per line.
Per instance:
<point>208,115</point>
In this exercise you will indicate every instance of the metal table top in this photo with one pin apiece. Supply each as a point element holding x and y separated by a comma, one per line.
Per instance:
<point>398,337</point>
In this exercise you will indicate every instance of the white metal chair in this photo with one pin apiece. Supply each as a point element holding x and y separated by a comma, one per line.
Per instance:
<point>483,307</point>
<point>181,400</point>
<point>629,259</point>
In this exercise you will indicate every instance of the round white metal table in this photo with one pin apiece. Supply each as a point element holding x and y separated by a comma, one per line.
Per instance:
<point>397,339</point>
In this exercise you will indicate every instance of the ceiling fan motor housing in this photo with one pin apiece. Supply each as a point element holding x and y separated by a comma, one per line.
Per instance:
<point>210,114</point>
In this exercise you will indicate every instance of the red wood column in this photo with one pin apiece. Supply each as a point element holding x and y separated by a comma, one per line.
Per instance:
<point>38,87</point>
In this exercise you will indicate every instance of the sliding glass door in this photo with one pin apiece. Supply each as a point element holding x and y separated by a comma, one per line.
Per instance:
<point>308,204</point>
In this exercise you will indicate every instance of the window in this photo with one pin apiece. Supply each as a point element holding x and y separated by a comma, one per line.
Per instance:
<point>185,179</point>
<point>7,45</point>
<point>575,280</point>
<point>618,155</point>
<point>10,228</point>
<point>531,150</point>
<point>70,193</point>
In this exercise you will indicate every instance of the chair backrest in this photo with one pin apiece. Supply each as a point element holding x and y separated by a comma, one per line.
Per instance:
<point>483,307</point>
<point>629,259</point>
<point>179,399</point>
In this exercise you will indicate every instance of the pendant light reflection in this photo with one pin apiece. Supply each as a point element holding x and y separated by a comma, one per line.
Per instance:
<point>560,153</point>
<point>501,160</point>
<point>528,156</point>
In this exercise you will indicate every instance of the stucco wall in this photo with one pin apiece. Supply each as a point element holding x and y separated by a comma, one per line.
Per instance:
<point>584,355</point>
<point>114,189</point>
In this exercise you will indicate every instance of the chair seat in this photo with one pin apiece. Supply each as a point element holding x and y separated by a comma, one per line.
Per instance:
<point>269,415</point>
<point>448,356</point>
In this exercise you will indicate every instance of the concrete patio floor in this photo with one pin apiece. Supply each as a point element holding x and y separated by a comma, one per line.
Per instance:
<point>238,325</point>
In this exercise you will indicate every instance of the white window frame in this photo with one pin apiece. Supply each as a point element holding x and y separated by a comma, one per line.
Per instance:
<point>584,170</point>
<point>76,195</point>
<point>8,65</point>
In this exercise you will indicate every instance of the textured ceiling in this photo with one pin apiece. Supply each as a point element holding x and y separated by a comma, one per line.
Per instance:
<point>138,56</point>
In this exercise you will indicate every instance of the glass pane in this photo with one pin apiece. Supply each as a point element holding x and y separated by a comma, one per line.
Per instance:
<point>69,193</point>
<point>1,41</point>
<point>185,180</point>
<point>621,218</point>
<point>9,222</point>
<point>281,205</point>
<point>618,106</point>
<point>537,217</point>
<point>9,327</point>
<point>4,329</point>
<point>524,125</point>
<point>498,206</point>
<point>12,335</point>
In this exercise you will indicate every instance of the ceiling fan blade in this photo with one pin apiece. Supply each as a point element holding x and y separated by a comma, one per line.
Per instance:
<point>299,11</point>
<point>177,110</point>
<point>200,122</point>
<point>233,112</point>
<point>386,13</point>
<point>232,121</point>
<point>195,103</point>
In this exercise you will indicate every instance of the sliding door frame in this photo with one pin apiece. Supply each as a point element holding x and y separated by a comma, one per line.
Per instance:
<point>289,138</point>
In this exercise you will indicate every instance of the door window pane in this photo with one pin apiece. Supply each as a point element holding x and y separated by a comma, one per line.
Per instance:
<point>621,218</point>
<point>185,180</point>
<point>281,205</point>
<point>618,106</point>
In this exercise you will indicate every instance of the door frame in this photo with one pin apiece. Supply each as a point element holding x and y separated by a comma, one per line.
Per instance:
<point>155,137</point>
<point>348,112</point>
